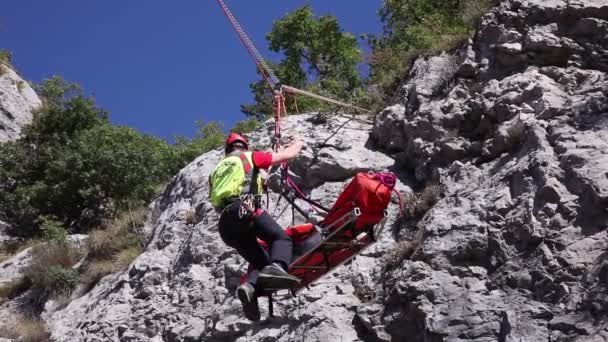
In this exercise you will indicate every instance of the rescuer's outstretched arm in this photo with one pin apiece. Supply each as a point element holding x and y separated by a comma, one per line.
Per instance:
<point>287,153</point>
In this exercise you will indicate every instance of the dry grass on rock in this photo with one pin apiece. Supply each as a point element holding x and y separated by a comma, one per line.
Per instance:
<point>27,329</point>
<point>95,271</point>
<point>4,257</point>
<point>9,248</point>
<point>122,234</point>
<point>416,205</point>
<point>50,271</point>
<point>32,330</point>
<point>112,249</point>
<point>402,251</point>
<point>13,288</point>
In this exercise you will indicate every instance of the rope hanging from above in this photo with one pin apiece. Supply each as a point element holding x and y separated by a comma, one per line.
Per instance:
<point>279,107</point>
<point>271,79</point>
<point>265,69</point>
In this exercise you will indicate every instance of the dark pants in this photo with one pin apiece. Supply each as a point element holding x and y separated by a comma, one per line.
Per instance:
<point>242,234</point>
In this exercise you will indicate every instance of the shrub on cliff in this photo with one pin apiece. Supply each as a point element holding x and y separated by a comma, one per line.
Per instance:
<point>13,288</point>
<point>6,57</point>
<point>415,27</point>
<point>50,271</point>
<point>114,247</point>
<point>208,137</point>
<point>246,126</point>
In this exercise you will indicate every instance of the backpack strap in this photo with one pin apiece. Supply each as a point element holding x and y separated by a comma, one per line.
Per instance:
<point>246,164</point>
<point>251,174</point>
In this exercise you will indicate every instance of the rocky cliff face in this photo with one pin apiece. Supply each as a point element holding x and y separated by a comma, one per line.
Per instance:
<point>26,303</point>
<point>17,102</point>
<point>182,287</point>
<point>513,127</point>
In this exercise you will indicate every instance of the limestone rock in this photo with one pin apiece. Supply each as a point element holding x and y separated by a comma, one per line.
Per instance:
<point>24,304</point>
<point>182,287</point>
<point>512,129</point>
<point>17,103</point>
<point>12,268</point>
<point>519,147</point>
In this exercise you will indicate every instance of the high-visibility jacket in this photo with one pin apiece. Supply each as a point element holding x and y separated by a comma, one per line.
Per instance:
<point>234,176</point>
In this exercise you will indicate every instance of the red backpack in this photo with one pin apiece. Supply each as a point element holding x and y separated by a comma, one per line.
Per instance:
<point>371,193</point>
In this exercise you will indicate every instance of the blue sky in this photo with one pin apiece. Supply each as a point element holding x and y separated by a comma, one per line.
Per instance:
<point>156,65</point>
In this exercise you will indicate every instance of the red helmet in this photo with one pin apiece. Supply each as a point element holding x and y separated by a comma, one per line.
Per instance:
<point>235,139</point>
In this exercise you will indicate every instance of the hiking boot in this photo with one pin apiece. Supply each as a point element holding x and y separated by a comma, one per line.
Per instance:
<point>274,277</point>
<point>246,294</point>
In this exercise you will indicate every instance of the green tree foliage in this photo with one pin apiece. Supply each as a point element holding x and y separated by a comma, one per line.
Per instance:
<point>209,136</point>
<point>72,170</point>
<point>27,185</point>
<point>414,27</point>
<point>317,55</point>
<point>52,229</point>
<point>103,170</point>
<point>246,126</point>
<point>65,114</point>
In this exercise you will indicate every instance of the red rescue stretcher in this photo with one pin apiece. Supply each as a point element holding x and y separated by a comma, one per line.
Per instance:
<point>350,226</point>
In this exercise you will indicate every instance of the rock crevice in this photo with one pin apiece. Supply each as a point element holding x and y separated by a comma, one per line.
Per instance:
<point>519,147</point>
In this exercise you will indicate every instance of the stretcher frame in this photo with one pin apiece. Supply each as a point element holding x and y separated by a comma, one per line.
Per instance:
<point>352,248</point>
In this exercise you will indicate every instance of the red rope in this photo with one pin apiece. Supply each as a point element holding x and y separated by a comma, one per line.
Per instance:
<point>271,79</point>
<point>390,180</point>
<point>289,182</point>
<point>278,105</point>
<point>314,205</point>
<point>259,61</point>
<point>280,109</point>
<point>401,208</point>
